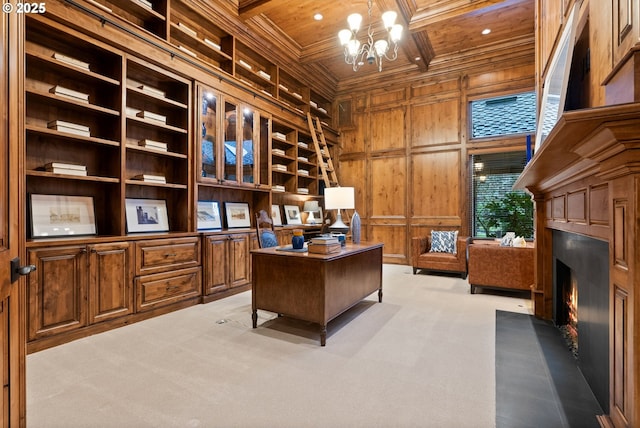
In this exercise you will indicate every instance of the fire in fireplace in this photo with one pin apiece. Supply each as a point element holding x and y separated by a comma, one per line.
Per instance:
<point>567,312</point>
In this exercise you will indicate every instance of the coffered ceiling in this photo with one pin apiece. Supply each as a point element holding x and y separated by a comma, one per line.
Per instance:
<point>433,30</point>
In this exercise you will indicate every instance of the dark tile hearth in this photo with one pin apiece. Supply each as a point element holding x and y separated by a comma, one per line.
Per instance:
<point>538,383</point>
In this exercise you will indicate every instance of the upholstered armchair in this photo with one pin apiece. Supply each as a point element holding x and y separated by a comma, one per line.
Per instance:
<point>441,261</point>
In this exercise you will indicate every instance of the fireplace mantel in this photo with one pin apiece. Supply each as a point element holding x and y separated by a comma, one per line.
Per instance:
<point>585,179</point>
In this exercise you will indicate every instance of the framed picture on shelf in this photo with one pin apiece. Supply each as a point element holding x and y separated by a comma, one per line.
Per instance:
<point>146,215</point>
<point>275,215</point>
<point>60,215</point>
<point>292,213</point>
<point>209,215</point>
<point>237,214</point>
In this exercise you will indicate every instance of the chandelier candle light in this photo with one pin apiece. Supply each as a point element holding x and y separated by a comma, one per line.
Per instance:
<point>356,53</point>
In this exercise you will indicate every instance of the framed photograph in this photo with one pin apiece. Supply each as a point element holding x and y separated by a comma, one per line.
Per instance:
<point>58,215</point>
<point>292,213</point>
<point>237,214</point>
<point>146,215</point>
<point>275,215</point>
<point>209,215</point>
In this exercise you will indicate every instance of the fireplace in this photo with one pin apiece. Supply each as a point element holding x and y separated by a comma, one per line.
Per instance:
<point>581,305</point>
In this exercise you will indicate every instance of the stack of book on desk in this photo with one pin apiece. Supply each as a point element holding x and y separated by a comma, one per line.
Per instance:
<point>324,245</point>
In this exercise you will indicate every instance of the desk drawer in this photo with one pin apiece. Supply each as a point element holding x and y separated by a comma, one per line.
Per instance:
<point>164,289</point>
<point>161,255</point>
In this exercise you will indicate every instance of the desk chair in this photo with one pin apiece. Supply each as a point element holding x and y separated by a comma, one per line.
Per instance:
<point>264,227</point>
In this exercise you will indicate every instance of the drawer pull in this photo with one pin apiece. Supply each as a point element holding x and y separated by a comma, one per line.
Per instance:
<point>170,288</point>
<point>170,255</point>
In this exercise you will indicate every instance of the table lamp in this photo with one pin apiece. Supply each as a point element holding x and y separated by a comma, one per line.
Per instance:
<point>311,207</point>
<point>339,198</point>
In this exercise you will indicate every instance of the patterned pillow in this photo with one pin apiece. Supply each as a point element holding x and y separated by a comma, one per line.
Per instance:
<point>444,241</point>
<point>269,239</point>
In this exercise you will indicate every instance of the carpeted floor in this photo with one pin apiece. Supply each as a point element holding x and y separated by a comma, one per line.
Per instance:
<point>424,357</point>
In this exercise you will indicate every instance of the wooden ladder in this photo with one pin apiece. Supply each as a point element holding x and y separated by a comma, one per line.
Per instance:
<point>322,151</point>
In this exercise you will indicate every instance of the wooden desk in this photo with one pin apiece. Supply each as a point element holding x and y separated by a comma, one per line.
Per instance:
<point>315,287</point>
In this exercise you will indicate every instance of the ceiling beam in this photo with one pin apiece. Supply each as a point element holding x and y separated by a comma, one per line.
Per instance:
<point>445,9</point>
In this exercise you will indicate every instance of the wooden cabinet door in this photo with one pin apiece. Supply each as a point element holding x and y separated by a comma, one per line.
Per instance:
<point>215,264</point>
<point>239,266</point>
<point>110,281</point>
<point>56,293</point>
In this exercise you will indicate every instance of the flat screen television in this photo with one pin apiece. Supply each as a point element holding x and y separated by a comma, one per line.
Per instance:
<point>557,80</point>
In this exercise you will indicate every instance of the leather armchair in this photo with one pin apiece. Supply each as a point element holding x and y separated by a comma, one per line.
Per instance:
<point>494,266</point>
<point>439,262</point>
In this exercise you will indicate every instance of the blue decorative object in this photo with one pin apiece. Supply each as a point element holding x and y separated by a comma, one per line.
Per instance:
<point>269,239</point>
<point>355,228</point>
<point>297,242</point>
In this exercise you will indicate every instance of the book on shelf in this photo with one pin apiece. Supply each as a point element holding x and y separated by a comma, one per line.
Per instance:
<point>284,88</point>
<point>297,95</point>
<point>277,188</point>
<point>303,190</point>
<point>63,165</point>
<point>153,91</point>
<point>324,249</point>
<point>279,167</point>
<point>67,171</point>
<point>303,144</point>
<point>279,135</point>
<point>187,51</point>
<point>70,60</point>
<point>152,116</point>
<point>186,29</point>
<point>324,240</point>
<point>277,152</point>
<point>151,144</point>
<point>150,178</point>
<point>212,44</point>
<point>245,64</point>
<point>303,159</point>
<point>144,3</point>
<point>303,172</point>
<point>320,109</point>
<point>313,104</point>
<point>66,124</point>
<point>69,93</point>
<point>264,74</point>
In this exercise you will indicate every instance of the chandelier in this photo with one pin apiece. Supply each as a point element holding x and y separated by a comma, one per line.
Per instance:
<point>356,53</point>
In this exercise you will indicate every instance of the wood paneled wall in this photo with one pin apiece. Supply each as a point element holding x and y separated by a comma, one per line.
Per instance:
<point>407,151</point>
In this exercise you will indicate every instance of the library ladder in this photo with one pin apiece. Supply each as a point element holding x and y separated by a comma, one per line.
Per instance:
<point>322,151</point>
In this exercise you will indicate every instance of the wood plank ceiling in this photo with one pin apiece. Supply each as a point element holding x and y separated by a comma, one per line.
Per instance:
<point>433,29</point>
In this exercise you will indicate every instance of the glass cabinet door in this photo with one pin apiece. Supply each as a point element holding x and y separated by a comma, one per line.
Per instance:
<point>247,150</point>
<point>230,130</point>
<point>208,133</point>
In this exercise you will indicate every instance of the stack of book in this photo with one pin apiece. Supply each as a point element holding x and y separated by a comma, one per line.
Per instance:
<point>148,115</point>
<point>69,127</point>
<point>324,245</point>
<point>279,136</point>
<point>277,152</point>
<point>72,61</point>
<point>303,159</point>
<point>148,178</point>
<point>278,188</point>
<point>151,144</point>
<point>69,93</point>
<point>303,190</point>
<point>186,29</point>
<point>303,144</point>
<point>264,74</point>
<point>66,168</point>
<point>153,91</point>
<point>187,51</point>
<point>212,44</point>
<point>303,172</point>
<point>279,167</point>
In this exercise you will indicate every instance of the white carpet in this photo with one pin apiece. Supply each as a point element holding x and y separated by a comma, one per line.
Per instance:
<point>424,357</point>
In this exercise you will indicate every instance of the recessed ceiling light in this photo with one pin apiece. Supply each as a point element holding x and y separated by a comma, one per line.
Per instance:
<point>318,17</point>
<point>486,31</point>
<point>417,58</point>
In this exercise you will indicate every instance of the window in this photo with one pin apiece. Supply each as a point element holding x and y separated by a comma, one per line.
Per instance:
<point>506,115</point>
<point>496,207</point>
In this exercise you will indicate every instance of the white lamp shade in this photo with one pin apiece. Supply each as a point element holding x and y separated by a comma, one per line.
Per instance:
<point>310,206</point>
<point>389,18</point>
<point>396,33</point>
<point>339,198</point>
<point>353,47</point>
<point>381,47</point>
<point>344,36</point>
<point>354,21</point>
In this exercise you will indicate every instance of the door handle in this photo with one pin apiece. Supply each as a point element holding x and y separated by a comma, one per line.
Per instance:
<point>17,270</point>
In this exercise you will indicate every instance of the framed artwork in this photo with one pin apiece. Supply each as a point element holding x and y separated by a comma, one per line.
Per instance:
<point>59,215</point>
<point>209,215</point>
<point>146,215</point>
<point>275,215</point>
<point>292,213</point>
<point>237,214</point>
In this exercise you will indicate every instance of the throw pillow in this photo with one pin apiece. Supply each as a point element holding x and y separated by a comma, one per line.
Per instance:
<point>269,239</point>
<point>444,241</point>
